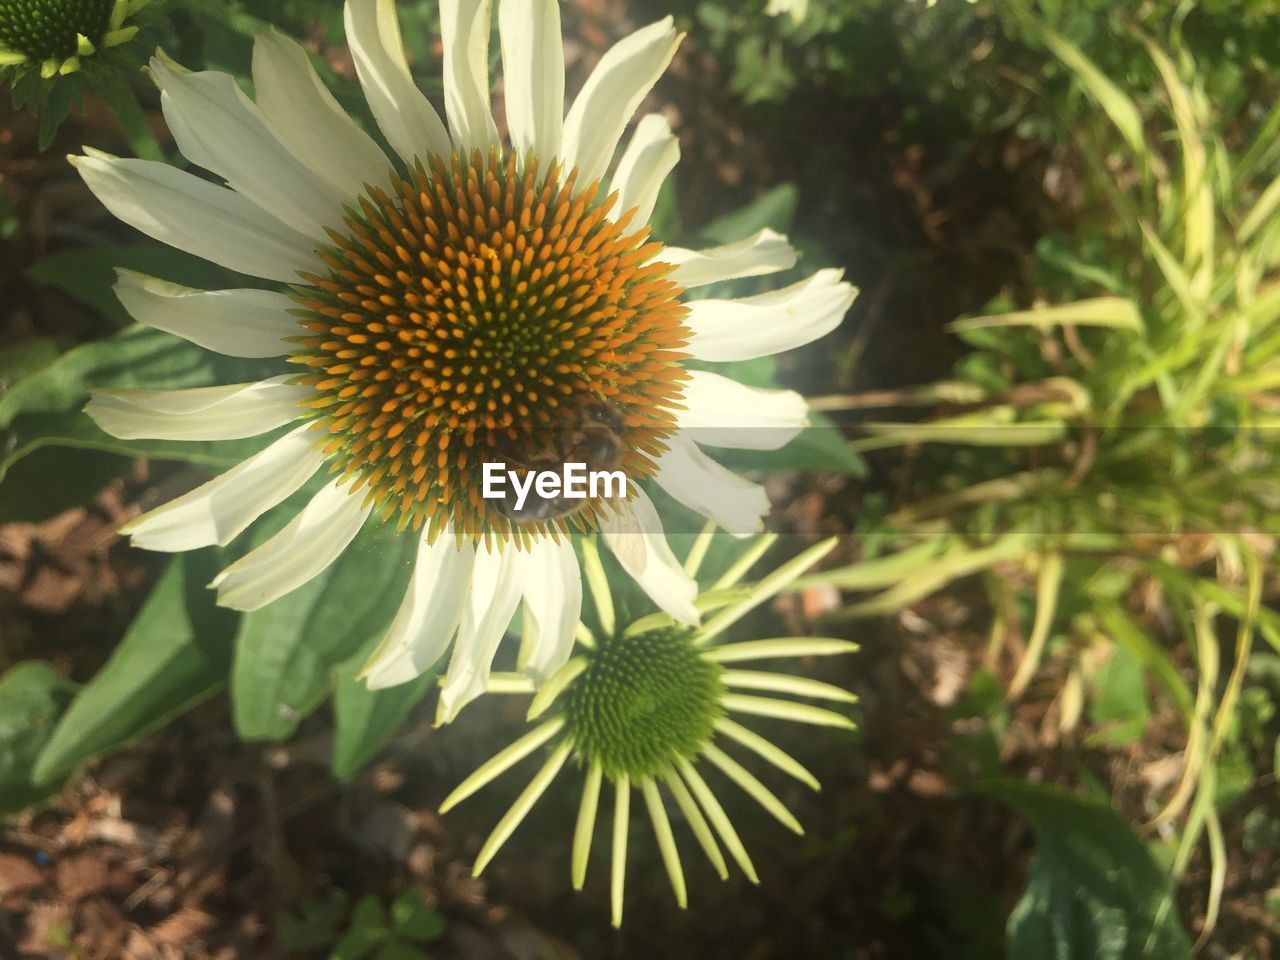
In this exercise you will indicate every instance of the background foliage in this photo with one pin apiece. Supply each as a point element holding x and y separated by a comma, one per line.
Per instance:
<point>1063,566</point>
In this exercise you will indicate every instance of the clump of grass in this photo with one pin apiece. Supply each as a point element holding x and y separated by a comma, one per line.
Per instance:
<point>1116,448</point>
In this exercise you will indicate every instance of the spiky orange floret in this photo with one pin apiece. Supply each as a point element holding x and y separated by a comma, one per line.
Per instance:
<point>466,315</point>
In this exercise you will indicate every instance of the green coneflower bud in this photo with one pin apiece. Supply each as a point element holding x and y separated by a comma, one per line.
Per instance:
<point>647,707</point>
<point>56,34</point>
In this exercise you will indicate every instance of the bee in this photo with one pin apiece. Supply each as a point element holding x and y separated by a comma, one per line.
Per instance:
<point>593,436</point>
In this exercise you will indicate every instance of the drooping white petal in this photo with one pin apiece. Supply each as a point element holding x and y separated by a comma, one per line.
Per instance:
<point>405,117</point>
<point>237,323</point>
<point>770,322</point>
<point>302,550</point>
<point>552,603</point>
<point>309,121</point>
<point>202,413</point>
<point>206,220</point>
<point>722,412</point>
<point>464,29</point>
<point>634,533</point>
<point>709,489</point>
<point>217,127</point>
<point>533,74</point>
<point>497,581</point>
<point>652,154</point>
<point>766,251</point>
<point>622,78</point>
<point>429,614</point>
<point>220,510</point>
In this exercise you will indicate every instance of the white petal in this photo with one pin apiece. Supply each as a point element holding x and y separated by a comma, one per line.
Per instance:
<point>652,154</point>
<point>622,78</point>
<point>217,127</point>
<point>707,488</point>
<point>302,550</point>
<point>405,117</point>
<point>552,605</point>
<point>771,322</point>
<point>237,323</point>
<point>497,581</point>
<point>634,534</point>
<point>308,119</point>
<point>533,74</point>
<point>220,510</point>
<point>428,616</point>
<point>761,253</point>
<point>464,29</point>
<point>209,221</point>
<point>202,413</point>
<point>725,413</point>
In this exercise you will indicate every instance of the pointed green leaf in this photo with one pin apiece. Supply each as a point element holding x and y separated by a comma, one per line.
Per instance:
<point>363,719</point>
<point>1093,890</point>
<point>175,654</point>
<point>287,651</point>
<point>1117,312</point>
<point>32,697</point>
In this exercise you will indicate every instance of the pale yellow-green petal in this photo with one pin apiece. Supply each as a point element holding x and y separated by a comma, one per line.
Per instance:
<point>719,819</point>
<point>767,751</point>
<point>785,710</point>
<point>618,869</point>
<point>502,761</point>
<point>520,809</point>
<point>748,782</point>
<point>666,840</point>
<point>585,828</point>
<point>697,823</point>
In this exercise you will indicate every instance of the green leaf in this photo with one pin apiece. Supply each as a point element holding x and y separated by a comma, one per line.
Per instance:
<point>88,274</point>
<point>52,480</point>
<point>1117,312</point>
<point>114,88</point>
<point>32,697</point>
<point>1122,111</point>
<point>821,447</point>
<point>1093,890</point>
<point>775,210</point>
<point>396,950</point>
<point>1118,704</point>
<point>287,651</point>
<point>134,357</point>
<point>21,360</point>
<point>31,434</point>
<point>176,653</point>
<point>364,720</point>
<point>43,408</point>
<point>314,923</point>
<point>367,931</point>
<point>64,93</point>
<point>412,919</point>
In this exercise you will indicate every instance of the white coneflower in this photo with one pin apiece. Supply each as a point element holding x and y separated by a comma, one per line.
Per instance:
<point>647,708</point>
<point>450,305</point>
<point>57,34</point>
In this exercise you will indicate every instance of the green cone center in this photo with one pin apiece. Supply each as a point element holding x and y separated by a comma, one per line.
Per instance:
<point>643,703</point>
<point>47,29</point>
